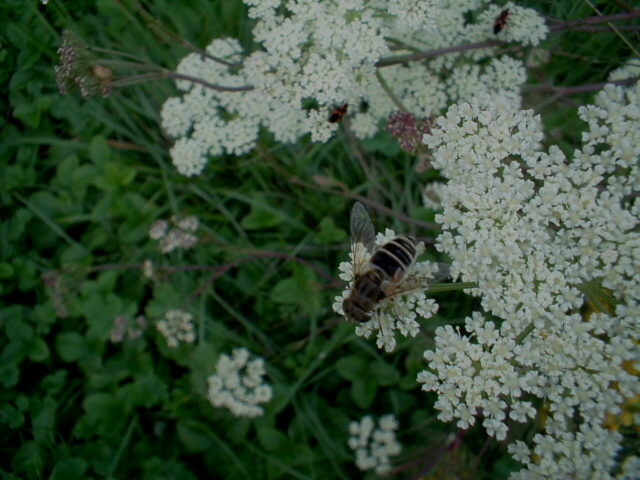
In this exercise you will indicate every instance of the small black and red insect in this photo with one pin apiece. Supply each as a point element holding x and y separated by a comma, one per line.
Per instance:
<point>501,21</point>
<point>337,114</point>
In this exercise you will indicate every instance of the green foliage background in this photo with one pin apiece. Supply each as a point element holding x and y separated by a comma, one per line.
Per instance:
<point>81,183</point>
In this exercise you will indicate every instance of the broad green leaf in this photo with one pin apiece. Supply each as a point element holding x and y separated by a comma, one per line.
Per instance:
<point>70,468</point>
<point>54,382</point>
<point>270,438</point>
<point>262,216</point>
<point>18,330</point>
<point>71,346</point>
<point>300,290</point>
<point>30,112</point>
<point>100,310</point>
<point>385,374</point>
<point>6,270</point>
<point>99,150</point>
<point>11,416</point>
<point>328,232</point>
<point>38,350</point>
<point>194,439</point>
<point>363,391</point>
<point>43,420</point>
<point>9,375</point>
<point>351,367</point>
<point>28,460</point>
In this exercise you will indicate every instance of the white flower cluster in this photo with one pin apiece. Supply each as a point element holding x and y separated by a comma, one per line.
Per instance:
<point>238,384</point>
<point>317,55</point>
<point>374,446</point>
<point>398,312</point>
<point>631,69</point>
<point>177,327</point>
<point>175,234</point>
<point>537,231</point>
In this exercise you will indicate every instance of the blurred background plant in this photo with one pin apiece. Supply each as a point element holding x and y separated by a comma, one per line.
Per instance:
<point>93,385</point>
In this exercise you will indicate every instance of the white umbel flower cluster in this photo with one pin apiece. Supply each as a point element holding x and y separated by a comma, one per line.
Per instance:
<point>177,327</point>
<point>239,385</point>
<point>400,312</point>
<point>174,234</point>
<point>374,446</point>
<point>538,232</point>
<point>318,55</point>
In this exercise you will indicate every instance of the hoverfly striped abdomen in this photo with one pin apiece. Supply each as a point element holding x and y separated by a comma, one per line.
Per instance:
<point>395,257</point>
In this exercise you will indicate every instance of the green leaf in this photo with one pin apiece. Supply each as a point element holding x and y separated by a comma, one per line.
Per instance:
<point>71,346</point>
<point>6,270</point>
<point>269,437</point>
<point>194,439</point>
<point>300,290</point>
<point>328,232</point>
<point>363,391</point>
<point>385,374</point>
<point>9,375</point>
<point>114,177</point>
<point>70,468</point>
<point>43,420</point>
<point>100,311</point>
<point>262,215</point>
<point>351,367</point>
<point>146,391</point>
<point>19,331</point>
<point>84,175</point>
<point>54,382</point>
<point>74,254</point>
<point>30,112</point>
<point>38,350</point>
<point>106,411</point>
<point>28,460</point>
<point>11,416</point>
<point>99,150</point>
<point>382,143</point>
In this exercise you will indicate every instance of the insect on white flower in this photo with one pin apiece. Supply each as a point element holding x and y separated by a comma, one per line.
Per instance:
<point>387,285</point>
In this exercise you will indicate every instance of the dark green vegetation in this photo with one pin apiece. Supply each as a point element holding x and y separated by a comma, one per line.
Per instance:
<point>81,182</point>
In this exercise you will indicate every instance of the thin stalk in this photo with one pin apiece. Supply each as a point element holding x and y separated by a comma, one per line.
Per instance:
<point>415,57</point>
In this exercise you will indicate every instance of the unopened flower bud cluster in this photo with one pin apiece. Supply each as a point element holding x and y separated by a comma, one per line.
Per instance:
<point>177,327</point>
<point>317,55</point>
<point>536,231</point>
<point>238,384</point>
<point>126,329</point>
<point>78,69</point>
<point>374,446</point>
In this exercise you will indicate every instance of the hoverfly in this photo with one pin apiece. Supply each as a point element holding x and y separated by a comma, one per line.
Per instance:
<point>379,272</point>
<point>501,21</point>
<point>337,114</point>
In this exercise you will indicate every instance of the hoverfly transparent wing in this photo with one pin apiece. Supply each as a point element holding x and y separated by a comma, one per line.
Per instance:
<point>362,231</point>
<point>413,283</point>
<point>444,271</point>
<point>361,227</point>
